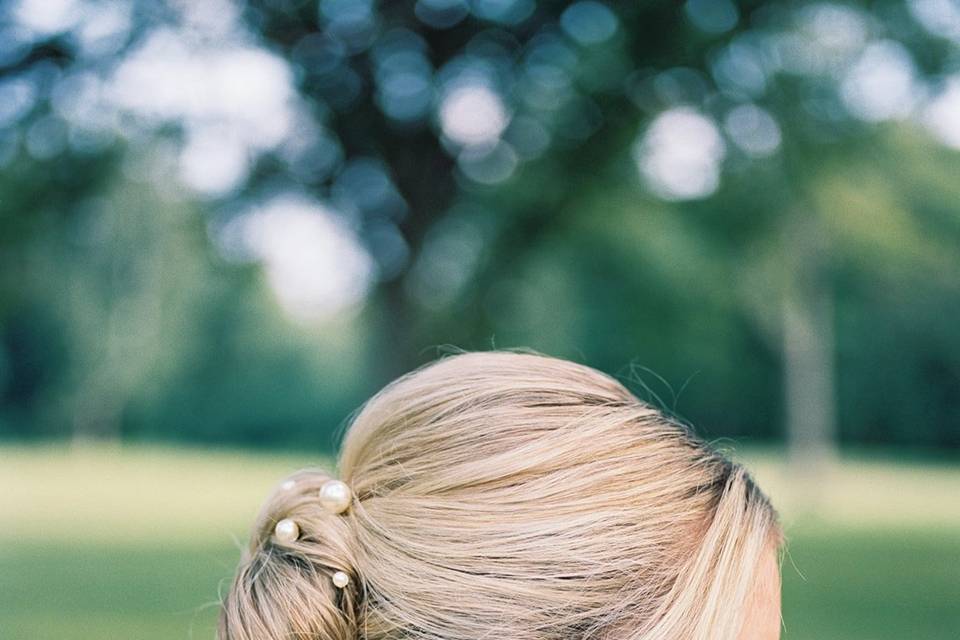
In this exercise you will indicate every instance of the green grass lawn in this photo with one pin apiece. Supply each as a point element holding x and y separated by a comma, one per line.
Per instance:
<point>134,543</point>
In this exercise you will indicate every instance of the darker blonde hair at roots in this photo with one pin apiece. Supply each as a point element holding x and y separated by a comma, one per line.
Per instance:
<point>509,495</point>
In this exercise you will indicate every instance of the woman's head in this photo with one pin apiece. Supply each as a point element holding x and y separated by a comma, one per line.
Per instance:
<point>513,495</point>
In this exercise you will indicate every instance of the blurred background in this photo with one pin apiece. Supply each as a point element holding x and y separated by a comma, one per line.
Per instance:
<point>225,223</point>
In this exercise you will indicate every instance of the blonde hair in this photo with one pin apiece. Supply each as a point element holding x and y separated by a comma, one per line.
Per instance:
<point>509,495</point>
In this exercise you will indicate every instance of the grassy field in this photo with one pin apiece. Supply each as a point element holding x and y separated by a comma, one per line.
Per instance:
<point>134,543</point>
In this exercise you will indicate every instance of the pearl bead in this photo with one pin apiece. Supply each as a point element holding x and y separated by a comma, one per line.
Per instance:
<point>335,496</point>
<point>286,530</point>
<point>340,579</point>
<point>288,485</point>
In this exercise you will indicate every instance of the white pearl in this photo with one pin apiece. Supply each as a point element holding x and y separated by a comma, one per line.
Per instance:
<point>286,530</point>
<point>335,496</point>
<point>340,579</point>
<point>288,485</point>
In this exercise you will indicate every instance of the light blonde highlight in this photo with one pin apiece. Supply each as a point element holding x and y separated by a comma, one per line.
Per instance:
<point>510,495</point>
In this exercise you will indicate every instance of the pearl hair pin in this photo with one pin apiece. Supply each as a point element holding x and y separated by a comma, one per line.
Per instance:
<point>287,530</point>
<point>340,579</point>
<point>335,496</point>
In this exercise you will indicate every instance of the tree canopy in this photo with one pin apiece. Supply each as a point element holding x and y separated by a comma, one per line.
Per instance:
<point>232,221</point>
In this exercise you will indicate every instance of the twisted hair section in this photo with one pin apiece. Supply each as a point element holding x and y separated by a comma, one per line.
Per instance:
<point>284,590</point>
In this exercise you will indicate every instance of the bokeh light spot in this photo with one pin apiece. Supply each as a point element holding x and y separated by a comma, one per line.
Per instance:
<point>589,22</point>
<point>314,263</point>
<point>712,16</point>
<point>473,115</point>
<point>881,84</point>
<point>680,154</point>
<point>753,130</point>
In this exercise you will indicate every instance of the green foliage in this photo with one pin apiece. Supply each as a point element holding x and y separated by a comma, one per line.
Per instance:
<point>125,311</point>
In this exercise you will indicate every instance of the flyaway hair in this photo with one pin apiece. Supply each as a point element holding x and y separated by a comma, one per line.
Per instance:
<point>509,495</point>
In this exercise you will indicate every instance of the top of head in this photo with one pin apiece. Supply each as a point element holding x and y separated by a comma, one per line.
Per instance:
<point>510,495</point>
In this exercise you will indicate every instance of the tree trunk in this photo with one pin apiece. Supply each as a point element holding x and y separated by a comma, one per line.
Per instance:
<point>808,351</point>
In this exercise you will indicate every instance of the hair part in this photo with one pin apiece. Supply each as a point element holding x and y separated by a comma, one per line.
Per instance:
<point>503,494</point>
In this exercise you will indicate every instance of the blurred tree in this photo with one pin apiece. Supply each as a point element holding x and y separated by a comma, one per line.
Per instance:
<point>710,186</point>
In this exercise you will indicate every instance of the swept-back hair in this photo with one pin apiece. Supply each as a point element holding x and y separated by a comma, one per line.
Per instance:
<point>509,495</point>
